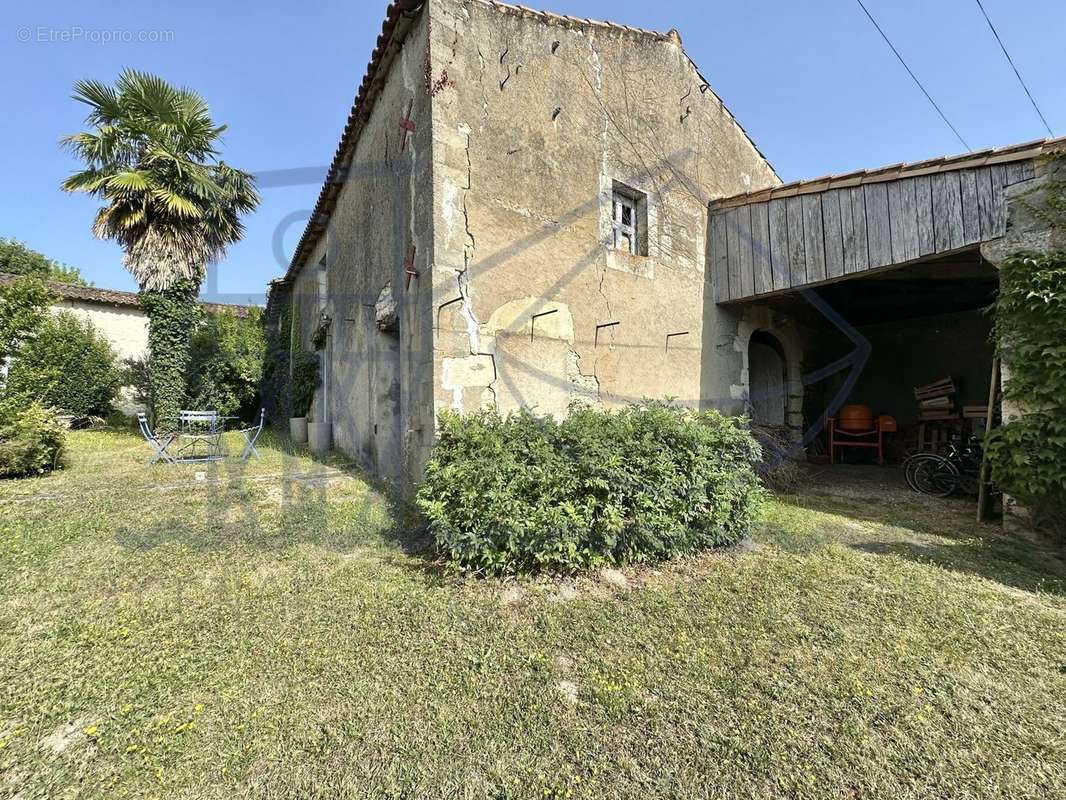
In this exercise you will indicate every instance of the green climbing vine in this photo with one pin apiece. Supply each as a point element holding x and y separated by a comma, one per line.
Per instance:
<point>1028,452</point>
<point>172,314</point>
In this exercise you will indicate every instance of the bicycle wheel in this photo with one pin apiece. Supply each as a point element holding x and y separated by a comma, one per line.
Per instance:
<point>937,477</point>
<point>911,464</point>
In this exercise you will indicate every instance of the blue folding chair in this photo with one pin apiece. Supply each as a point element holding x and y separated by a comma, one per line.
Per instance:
<point>251,435</point>
<point>158,442</point>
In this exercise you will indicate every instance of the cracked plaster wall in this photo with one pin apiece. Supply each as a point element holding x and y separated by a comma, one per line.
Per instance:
<point>534,119</point>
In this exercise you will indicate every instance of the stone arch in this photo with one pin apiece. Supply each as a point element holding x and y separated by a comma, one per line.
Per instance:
<point>767,328</point>
<point>767,379</point>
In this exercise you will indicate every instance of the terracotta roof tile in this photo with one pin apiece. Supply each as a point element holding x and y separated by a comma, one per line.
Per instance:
<point>114,297</point>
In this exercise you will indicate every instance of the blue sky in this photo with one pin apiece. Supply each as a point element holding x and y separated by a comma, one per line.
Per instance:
<point>812,83</point>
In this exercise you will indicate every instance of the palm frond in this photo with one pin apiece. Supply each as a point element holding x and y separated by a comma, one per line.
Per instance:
<point>177,204</point>
<point>132,180</point>
<point>104,101</point>
<point>150,156</point>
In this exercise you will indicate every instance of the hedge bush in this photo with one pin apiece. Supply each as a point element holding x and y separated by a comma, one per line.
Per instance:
<point>527,493</point>
<point>305,380</point>
<point>31,441</point>
<point>23,306</point>
<point>173,315</point>
<point>226,363</point>
<point>67,365</point>
<point>18,259</point>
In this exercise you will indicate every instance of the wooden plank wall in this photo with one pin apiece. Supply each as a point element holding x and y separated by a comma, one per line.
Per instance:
<point>791,242</point>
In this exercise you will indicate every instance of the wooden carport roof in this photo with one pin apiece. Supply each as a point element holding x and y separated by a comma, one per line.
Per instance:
<point>811,232</point>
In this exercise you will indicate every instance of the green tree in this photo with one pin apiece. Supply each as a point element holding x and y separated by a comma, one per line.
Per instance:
<point>67,365</point>
<point>23,305</point>
<point>173,206</point>
<point>227,363</point>
<point>18,259</point>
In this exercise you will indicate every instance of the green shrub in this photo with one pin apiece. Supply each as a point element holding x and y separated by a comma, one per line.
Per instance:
<point>527,493</point>
<point>173,315</point>
<point>31,441</point>
<point>67,365</point>
<point>18,259</point>
<point>1028,454</point>
<point>227,363</point>
<point>23,306</point>
<point>277,322</point>
<point>304,382</point>
<point>1028,458</point>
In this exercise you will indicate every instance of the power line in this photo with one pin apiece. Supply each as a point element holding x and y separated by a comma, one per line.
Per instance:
<point>910,72</point>
<point>1016,73</point>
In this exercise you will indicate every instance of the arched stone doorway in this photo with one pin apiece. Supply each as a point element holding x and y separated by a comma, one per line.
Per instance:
<point>767,379</point>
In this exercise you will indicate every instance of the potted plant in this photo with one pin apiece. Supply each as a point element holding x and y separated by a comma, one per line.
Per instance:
<point>302,386</point>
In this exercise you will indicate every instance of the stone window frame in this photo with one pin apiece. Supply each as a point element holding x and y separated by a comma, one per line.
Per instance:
<point>629,236</point>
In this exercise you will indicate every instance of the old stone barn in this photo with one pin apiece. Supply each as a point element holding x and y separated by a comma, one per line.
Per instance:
<point>527,210</point>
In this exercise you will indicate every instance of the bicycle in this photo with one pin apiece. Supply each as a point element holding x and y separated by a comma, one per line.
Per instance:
<point>942,475</point>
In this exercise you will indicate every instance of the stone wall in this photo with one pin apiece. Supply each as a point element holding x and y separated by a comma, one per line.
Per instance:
<point>376,378</point>
<point>535,119</point>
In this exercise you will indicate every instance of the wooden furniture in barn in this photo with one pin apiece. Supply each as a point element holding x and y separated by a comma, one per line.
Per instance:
<point>856,426</point>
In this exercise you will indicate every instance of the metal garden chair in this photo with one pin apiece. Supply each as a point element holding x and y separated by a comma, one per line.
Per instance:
<point>251,435</point>
<point>158,442</point>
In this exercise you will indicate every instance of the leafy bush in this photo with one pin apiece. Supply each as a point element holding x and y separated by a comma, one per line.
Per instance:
<point>227,363</point>
<point>526,493</point>
<point>1028,458</point>
<point>23,305</point>
<point>1028,454</point>
<point>31,441</point>
<point>305,380</point>
<point>277,322</point>
<point>67,365</point>
<point>18,259</point>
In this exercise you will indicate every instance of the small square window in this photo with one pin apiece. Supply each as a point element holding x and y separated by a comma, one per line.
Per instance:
<point>629,220</point>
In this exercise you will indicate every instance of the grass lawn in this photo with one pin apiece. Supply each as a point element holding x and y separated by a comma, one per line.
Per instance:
<point>276,631</point>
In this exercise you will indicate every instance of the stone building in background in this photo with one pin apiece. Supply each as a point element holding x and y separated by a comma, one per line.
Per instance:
<point>118,316</point>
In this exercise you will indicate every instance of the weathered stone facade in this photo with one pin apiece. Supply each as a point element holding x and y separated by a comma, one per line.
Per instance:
<point>527,128</point>
<point>538,119</point>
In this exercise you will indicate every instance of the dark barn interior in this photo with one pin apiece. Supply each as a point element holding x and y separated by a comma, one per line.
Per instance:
<point>923,323</point>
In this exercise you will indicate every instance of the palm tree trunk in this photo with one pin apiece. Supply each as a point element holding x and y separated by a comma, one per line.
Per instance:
<point>172,314</point>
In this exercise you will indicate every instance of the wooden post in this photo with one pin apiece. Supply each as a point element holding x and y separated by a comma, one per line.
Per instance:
<point>984,486</point>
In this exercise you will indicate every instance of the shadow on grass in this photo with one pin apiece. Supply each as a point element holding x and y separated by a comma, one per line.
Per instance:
<point>942,533</point>
<point>361,512</point>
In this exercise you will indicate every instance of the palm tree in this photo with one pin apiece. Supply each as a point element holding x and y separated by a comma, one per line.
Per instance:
<point>173,206</point>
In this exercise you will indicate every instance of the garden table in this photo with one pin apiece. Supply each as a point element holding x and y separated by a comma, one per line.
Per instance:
<point>197,436</point>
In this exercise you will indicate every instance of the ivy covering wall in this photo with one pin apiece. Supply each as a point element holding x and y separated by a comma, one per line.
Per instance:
<point>1028,453</point>
<point>172,315</point>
